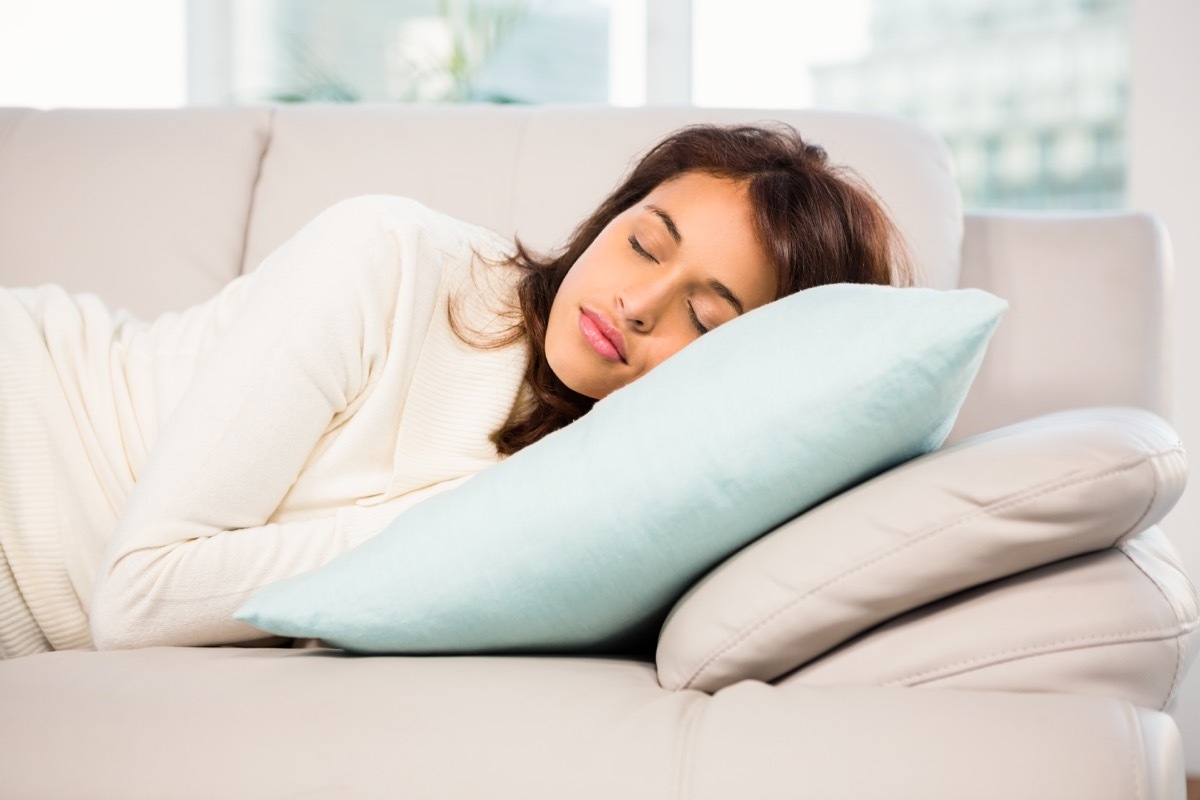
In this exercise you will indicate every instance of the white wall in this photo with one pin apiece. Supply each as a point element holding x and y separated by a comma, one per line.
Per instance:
<point>1164,178</point>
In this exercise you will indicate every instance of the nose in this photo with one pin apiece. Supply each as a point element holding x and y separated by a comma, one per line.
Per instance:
<point>641,302</point>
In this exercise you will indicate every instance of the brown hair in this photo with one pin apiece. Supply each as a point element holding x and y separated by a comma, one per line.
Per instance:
<point>818,222</point>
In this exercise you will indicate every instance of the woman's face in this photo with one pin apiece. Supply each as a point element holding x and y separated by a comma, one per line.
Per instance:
<point>680,262</point>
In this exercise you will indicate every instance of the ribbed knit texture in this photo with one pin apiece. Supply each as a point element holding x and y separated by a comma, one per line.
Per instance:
<point>248,439</point>
<point>39,610</point>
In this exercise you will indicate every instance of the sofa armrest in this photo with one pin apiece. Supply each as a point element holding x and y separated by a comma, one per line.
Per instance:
<point>1087,319</point>
<point>1119,623</point>
<point>993,506</point>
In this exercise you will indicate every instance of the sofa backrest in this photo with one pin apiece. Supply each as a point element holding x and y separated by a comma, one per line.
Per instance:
<point>155,210</point>
<point>147,209</point>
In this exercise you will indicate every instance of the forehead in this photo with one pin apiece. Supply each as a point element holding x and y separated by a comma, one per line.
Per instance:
<point>715,219</point>
<point>700,190</point>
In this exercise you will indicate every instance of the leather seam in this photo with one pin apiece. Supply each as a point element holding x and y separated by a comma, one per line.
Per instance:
<point>1137,755</point>
<point>522,146</point>
<point>18,124</point>
<point>1048,648</point>
<point>1179,648</point>
<point>252,201</point>
<point>1176,448</point>
<point>683,753</point>
<point>1029,495</point>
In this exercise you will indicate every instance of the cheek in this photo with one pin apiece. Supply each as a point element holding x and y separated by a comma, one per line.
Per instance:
<point>570,291</point>
<point>562,324</point>
<point>564,308</point>
<point>555,341</point>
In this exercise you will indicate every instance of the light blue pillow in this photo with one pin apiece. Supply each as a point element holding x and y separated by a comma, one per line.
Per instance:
<point>589,536</point>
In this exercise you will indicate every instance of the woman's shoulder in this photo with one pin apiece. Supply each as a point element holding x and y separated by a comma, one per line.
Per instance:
<point>445,259</point>
<point>447,233</point>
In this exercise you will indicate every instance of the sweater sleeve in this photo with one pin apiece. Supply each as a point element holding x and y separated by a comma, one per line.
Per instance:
<point>307,338</point>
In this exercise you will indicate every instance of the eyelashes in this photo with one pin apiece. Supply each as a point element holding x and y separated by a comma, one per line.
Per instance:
<point>700,327</point>
<point>641,251</point>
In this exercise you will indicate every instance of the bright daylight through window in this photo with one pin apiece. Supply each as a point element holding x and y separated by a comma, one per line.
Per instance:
<point>1031,95</point>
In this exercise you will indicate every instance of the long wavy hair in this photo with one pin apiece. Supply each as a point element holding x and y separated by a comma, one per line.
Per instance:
<point>818,222</point>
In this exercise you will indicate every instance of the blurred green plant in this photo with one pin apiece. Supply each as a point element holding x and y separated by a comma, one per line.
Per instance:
<point>476,30</point>
<point>315,81</point>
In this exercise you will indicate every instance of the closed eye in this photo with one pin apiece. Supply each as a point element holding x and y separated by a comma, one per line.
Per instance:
<point>641,251</point>
<point>701,328</point>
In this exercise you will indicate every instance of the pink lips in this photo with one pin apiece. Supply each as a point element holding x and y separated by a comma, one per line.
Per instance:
<point>602,335</point>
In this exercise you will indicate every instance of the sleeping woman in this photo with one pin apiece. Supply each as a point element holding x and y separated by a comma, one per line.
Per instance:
<point>156,474</point>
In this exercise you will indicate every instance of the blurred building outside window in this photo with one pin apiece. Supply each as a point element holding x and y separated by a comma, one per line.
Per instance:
<point>1030,95</point>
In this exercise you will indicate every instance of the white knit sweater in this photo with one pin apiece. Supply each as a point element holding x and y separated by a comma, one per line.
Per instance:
<point>168,470</point>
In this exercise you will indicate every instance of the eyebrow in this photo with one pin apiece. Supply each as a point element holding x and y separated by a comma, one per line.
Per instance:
<point>721,289</point>
<point>670,223</point>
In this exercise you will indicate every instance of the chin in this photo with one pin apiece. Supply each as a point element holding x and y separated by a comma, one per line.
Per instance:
<point>569,361</point>
<point>580,385</point>
<point>588,392</point>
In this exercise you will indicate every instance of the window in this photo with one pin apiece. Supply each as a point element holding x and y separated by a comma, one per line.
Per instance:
<point>1003,79</point>
<point>81,53</point>
<point>420,50</point>
<point>1033,93</point>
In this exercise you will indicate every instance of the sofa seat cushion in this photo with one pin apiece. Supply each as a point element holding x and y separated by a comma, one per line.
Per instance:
<point>982,509</point>
<point>164,723</point>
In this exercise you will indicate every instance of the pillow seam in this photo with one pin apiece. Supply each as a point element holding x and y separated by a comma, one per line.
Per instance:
<point>1055,485</point>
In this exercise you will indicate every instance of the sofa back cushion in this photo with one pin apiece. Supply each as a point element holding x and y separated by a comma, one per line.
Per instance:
<point>155,210</point>
<point>538,171</point>
<point>147,209</point>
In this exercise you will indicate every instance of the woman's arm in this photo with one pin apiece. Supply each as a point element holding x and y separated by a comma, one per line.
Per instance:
<point>310,335</point>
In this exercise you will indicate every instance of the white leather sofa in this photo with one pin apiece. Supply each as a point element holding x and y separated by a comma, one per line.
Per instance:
<point>1040,666</point>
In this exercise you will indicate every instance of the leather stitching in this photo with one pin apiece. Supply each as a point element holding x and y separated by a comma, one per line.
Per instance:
<point>920,538</point>
<point>1176,448</point>
<point>1048,648</point>
<point>1179,648</point>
